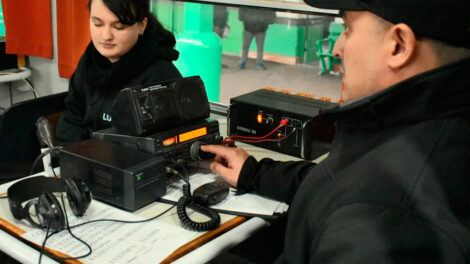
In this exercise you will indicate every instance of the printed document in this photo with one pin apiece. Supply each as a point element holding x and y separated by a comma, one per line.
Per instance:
<point>114,242</point>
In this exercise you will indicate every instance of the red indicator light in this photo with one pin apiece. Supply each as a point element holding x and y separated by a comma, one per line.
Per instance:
<point>279,134</point>
<point>259,118</point>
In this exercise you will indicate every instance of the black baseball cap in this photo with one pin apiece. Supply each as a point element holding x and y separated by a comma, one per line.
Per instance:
<point>444,20</point>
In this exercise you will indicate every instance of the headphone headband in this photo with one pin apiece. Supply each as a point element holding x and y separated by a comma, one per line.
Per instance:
<point>30,188</point>
<point>38,191</point>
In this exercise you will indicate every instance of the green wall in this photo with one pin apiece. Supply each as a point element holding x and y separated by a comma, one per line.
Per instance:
<point>314,33</point>
<point>171,15</point>
<point>233,42</point>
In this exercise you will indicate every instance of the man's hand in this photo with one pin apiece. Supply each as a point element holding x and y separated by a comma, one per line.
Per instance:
<point>228,161</point>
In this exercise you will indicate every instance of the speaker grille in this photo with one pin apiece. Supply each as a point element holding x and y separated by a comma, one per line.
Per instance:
<point>153,108</point>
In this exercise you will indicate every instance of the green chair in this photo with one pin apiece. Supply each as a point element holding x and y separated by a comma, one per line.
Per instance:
<point>327,60</point>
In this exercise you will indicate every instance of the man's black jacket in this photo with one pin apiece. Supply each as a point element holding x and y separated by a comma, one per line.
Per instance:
<point>395,187</point>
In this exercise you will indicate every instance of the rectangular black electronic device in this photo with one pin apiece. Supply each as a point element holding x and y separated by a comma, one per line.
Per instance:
<point>175,144</point>
<point>122,177</point>
<point>257,113</point>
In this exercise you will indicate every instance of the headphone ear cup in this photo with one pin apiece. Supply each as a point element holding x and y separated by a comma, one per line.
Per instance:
<point>78,194</point>
<point>49,212</point>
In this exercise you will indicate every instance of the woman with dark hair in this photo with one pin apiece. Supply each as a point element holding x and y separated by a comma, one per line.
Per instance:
<point>129,46</point>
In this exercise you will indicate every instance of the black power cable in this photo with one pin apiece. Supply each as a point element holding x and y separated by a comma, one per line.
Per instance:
<point>43,247</point>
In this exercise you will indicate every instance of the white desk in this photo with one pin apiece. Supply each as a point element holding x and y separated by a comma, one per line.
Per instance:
<point>26,254</point>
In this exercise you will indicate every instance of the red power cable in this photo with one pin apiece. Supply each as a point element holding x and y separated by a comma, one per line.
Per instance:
<point>232,139</point>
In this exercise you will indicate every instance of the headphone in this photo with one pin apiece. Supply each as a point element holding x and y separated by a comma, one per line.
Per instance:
<point>48,210</point>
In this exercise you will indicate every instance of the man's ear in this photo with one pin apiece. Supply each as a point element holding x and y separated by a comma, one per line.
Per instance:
<point>403,45</point>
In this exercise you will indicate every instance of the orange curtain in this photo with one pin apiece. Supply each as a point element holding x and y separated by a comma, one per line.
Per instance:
<point>28,27</point>
<point>73,33</point>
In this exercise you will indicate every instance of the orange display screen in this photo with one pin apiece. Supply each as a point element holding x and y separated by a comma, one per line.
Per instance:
<point>193,134</point>
<point>169,141</point>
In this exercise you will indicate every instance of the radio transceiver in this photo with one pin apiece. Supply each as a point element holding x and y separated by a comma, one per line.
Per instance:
<point>180,144</point>
<point>154,125</point>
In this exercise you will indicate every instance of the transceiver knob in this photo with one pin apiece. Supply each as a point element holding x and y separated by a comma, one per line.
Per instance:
<point>196,153</point>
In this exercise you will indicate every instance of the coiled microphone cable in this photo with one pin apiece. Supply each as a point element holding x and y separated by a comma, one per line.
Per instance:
<point>186,201</point>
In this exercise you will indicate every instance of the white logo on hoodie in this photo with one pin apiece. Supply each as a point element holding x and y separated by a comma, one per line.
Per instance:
<point>107,117</point>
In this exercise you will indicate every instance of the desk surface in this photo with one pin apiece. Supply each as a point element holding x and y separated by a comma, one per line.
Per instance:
<point>240,229</point>
<point>24,253</point>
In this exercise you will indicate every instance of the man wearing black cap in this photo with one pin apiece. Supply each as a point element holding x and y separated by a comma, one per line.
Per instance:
<point>395,187</point>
